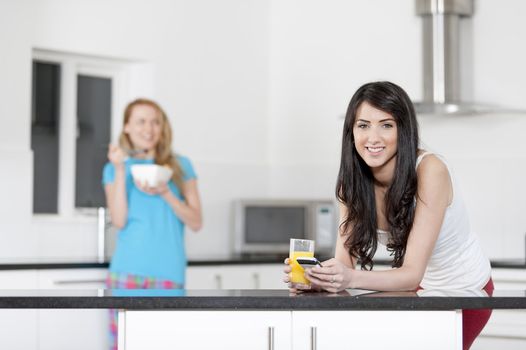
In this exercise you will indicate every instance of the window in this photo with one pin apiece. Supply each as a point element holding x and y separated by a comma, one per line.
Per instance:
<point>93,136</point>
<point>44,136</point>
<point>77,103</point>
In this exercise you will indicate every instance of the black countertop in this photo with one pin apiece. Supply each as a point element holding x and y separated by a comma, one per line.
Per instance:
<point>72,263</point>
<point>148,299</point>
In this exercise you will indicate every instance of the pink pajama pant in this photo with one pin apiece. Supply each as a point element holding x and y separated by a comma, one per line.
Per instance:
<point>125,281</point>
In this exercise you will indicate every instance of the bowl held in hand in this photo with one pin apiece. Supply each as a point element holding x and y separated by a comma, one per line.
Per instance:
<point>152,175</point>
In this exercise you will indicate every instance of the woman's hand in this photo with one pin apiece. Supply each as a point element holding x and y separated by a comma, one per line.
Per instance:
<point>287,269</point>
<point>116,155</point>
<point>160,189</point>
<point>333,276</point>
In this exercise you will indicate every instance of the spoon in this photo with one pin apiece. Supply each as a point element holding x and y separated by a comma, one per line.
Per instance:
<point>136,152</point>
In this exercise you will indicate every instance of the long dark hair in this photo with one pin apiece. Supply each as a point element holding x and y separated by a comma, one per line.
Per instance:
<point>355,184</point>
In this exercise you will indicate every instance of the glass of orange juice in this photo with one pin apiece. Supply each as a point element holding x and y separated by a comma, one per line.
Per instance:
<point>299,248</point>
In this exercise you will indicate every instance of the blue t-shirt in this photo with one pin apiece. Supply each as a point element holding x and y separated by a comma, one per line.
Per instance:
<point>151,244</point>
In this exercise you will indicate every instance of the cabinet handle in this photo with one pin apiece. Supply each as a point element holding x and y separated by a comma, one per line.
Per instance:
<point>270,338</point>
<point>80,281</point>
<point>313,338</point>
<point>218,281</point>
<point>101,234</point>
<point>256,280</point>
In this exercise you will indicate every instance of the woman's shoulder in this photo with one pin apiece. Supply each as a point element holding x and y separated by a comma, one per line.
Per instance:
<point>183,160</point>
<point>435,184</point>
<point>432,167</point>
<point>181,157</point>
<point>185,163</point>
<point>429,162</point>
<point>108,167</point>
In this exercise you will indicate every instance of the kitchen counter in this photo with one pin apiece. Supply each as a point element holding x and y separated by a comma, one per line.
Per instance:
<point>273,319</point>
<point>73,263</point>
<point>148,299</point>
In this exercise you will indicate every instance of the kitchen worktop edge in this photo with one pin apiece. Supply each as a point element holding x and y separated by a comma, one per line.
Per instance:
<point>255,300</point>
<point>49,264</point>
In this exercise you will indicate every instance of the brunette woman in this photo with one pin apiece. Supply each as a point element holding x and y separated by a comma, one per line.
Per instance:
<point>394,193</point>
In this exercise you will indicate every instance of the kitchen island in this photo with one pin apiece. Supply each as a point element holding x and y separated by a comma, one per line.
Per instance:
<point>274,319</point>
<point>85,320</point>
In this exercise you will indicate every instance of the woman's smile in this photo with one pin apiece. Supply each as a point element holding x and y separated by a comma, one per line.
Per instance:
<point>375,150</point>
<point>375,136</point>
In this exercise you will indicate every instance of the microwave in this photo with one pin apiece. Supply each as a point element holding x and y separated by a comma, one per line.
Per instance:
<point>265,226</point>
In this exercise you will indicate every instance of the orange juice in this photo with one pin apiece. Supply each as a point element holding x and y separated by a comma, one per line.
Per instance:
<point>297,275</point>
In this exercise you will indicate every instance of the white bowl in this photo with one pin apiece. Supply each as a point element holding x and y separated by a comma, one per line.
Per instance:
<point>152,175</point>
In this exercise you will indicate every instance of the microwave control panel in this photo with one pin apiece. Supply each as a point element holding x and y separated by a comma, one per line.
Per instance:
<point>325,226</point>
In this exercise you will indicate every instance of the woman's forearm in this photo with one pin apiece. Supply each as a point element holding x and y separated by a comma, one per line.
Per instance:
<point>191,216</point>
<point>118,202</point>
<point>400,279</point>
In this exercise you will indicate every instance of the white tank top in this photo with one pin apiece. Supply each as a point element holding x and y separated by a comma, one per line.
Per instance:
<point>457,261</point>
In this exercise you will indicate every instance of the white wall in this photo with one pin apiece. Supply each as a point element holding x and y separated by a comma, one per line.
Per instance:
<point>210,73</point>
<point>499,69</point>
<point>487,154</point>
<point>15,158</point>
<point>255,91</point>
<point>320,54</point>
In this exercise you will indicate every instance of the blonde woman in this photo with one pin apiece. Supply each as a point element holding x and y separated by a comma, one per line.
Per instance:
<point>150,249</point>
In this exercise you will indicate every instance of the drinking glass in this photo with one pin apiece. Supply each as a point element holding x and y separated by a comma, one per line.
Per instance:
<point>299,248</point>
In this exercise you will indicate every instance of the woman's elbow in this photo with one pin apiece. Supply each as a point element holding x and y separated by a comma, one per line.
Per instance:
<point>413,280</point>
<point>119,223</point>
<point>196,226</point>
<point>118,226</point>
<point>414,285</point>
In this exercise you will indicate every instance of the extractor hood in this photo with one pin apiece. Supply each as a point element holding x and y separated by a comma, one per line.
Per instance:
<point>441,42</point>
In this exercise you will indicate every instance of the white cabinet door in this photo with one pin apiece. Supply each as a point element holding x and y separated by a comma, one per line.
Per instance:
<point>249,276</point>
<point>18,328</point>
<point>18,279</point>
<point>506,329</point>
<point>510,279</point>
<point>222,277</point>
<point>271,276</point>
<point>72,278</point>
<point>492,343</point>
<point>233,330</point>
<point>203,277</point>
<point>73,328</point>
<point>240,277</point>
<point>79,329</point>
<point>337,330</point>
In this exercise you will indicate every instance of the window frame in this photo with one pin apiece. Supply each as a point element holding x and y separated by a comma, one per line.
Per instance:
<point>72,65</point>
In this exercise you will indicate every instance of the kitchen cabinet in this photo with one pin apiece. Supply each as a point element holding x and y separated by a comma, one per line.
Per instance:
<point>339,330</point>
<point>233,330</point>
<point>218,277</point>
<point>296,330</point>
<point>60,328</point>
<point>271,276</point>
<point>18,328</point>
<point>18,279</point>
<point>249,276</point>
<point>84,278</point>
<point>506,329</point>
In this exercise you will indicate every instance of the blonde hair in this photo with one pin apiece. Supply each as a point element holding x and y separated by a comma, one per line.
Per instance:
<point>163,150</point>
